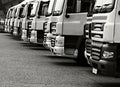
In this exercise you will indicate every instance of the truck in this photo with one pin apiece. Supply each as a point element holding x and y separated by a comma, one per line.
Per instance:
<point>46,25</point>
<point>25,19</point>
<point>67,28</point>
<point>103,38</point>
<point>7,20</point>
<point>12,18</point>
<point>16,28</point>
<point>37,18</point>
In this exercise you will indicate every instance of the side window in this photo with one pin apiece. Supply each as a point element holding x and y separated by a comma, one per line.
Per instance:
<point>71,6</point>
<point>85,5</point>
<point>43,8</point>
<point>78,6</point>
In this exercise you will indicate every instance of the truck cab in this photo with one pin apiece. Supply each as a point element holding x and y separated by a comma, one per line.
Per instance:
<point>25,19</point>
<point>37,18</point>
<point>46,26</point>
<point>103,38</point>
<point>67,27</point>
<point>16,30</point>
<point>7,20</point>
<point>14,10</point>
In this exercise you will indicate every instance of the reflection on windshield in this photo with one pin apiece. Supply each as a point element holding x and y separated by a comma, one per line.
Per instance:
<point>34,8</point>
<point>58,7</point>
<point>103,6</point>
<point>50,8</point>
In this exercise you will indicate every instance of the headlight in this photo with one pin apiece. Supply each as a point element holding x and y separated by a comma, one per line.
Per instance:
<point>108,55</point>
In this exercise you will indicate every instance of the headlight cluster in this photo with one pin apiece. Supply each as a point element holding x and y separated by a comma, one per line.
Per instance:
<point>53,27</point>
<point>45,26</point>
<point>107,54</point>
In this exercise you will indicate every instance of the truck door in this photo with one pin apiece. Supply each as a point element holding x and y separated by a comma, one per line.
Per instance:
<point>75,17</point>
<point>41,15</point>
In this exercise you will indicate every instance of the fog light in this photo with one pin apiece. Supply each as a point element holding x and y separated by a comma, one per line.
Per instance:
<point>107,54</point>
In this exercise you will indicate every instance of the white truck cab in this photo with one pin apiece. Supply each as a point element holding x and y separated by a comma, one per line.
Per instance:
<point>7,20</point>
<point>12,17</point>
<point>46,26</point>
<point>37,18</point>
<point>25,19</point>
<point>103,38</point>
<point>67,27</point>
<point>16,30</point>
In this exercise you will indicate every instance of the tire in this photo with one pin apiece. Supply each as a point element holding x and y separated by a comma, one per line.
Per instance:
<point>81,60</point>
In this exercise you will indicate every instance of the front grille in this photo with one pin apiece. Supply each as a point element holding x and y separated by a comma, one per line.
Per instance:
<point>52,42</point>
<point>88,46</point>
<point>29,33</point>
<point>29,26</point>
<point>87,31</point>
<point>96,50</point>
<point>97,31</point>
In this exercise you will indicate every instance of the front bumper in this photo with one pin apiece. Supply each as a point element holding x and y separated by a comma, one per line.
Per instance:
<point>103,66</point>
<point>58,51</point>
<point>24,35</point>
<point>33,38</point>
<point>15,32</point>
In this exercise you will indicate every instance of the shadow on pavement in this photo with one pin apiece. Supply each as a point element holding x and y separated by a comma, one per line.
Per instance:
<point>65,61</point>
<point>59,57</point>
<point>14,37</point>
<point>69,64</point>
<point>33,46</point>
<point>109,84</point>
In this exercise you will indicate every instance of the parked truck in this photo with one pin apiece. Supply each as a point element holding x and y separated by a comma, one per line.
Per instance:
<point>12,18</point>
<point>24,22</point>
<point>37,17</point>
<point>7,18</point>
<point>103,38</point>
<point>16,28</point>
<point>67,28</point>
<point>46,25</point>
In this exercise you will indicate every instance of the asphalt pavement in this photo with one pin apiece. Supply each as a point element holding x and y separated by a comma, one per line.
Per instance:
<point>30,65</point>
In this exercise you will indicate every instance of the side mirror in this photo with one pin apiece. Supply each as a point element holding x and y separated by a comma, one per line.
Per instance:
<point>38,16</point>
<point>118,12</point>
<point>67,15</point>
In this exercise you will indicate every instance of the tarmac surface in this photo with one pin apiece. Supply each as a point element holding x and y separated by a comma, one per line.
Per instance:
<point>29,65</point>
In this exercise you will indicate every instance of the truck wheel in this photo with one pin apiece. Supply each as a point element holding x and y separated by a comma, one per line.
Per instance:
<point>81,60</point>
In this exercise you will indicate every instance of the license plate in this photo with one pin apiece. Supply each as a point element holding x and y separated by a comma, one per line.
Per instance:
<point>94,70</point>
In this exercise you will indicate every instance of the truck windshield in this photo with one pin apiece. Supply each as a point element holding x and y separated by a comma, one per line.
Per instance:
<point>90,11</point>
<point>43,8</point>
<point>24,12</point>
<point>50,8</point>
<point>103,6</point>
<point>58,7</point>
<point>34,9</point>
<point>16,14</point>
